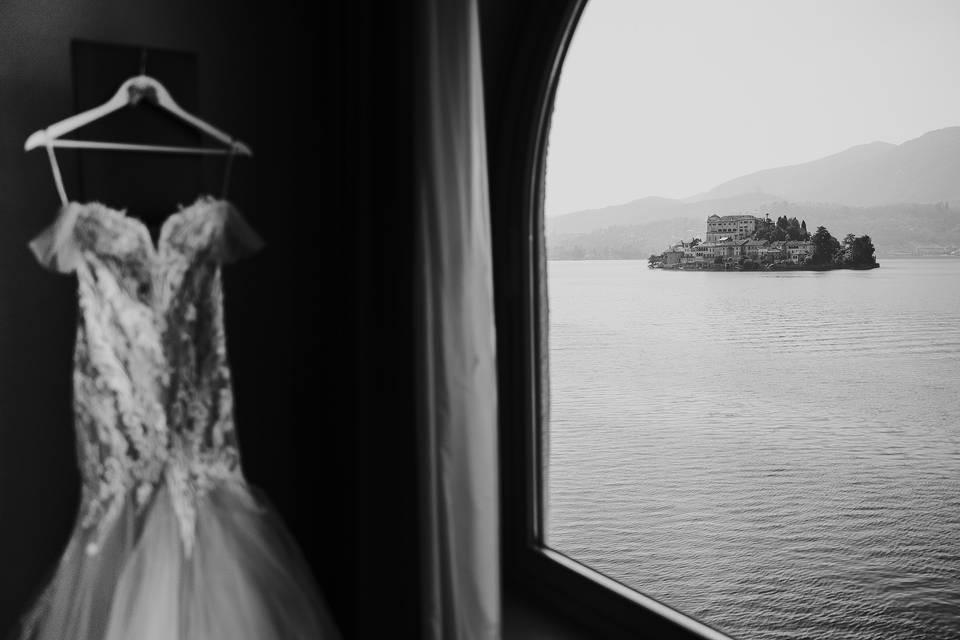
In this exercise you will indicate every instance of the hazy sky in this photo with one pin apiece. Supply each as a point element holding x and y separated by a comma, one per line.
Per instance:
<point>672,97</point>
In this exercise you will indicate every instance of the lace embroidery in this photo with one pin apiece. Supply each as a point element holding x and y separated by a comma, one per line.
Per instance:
<point>152,391</point>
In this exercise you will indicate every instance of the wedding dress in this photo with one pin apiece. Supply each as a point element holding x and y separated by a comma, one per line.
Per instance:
<point>170,543</point>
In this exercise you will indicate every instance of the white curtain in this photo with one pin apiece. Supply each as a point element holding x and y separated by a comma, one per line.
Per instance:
<point>456,341</point>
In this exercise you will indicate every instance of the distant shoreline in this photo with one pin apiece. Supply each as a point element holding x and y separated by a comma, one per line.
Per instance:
<point>899,257</point>
<point>934,256</point>
<point>774,267</point>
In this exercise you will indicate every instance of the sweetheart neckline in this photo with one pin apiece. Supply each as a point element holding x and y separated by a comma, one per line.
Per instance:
<point>155,250</point>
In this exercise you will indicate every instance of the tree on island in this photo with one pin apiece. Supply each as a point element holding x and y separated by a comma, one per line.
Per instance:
<point>796,230</point>
<point>824,246</point>
<point>654,258</point>
<point>784,229</point>
<point>769,230</point>
<point>863,251</point>
<point>857,251</point>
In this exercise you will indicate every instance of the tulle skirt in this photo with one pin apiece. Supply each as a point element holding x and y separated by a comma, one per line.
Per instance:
<point>244,579</point>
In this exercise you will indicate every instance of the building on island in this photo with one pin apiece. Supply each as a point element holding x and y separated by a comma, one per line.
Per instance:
<point>730,241</point>
<point>798,250</point>
<point>707,252</point>
<point>671,257</point>
<point>736,227</point>
<point>751,249</point>
<point>771,252</point>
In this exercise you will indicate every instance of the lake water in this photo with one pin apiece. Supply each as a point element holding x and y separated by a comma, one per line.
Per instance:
<point>775,454</point>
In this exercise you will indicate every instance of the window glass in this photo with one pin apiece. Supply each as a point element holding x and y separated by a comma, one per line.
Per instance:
<point>748,421</point>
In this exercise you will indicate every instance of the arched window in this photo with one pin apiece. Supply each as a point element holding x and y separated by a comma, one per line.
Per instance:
<point>727,448</point>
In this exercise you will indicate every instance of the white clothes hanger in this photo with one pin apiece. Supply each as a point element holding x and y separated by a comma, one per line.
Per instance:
<point>130,93</point>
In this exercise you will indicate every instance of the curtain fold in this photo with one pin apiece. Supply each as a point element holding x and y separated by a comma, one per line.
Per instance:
<point>456,353</point>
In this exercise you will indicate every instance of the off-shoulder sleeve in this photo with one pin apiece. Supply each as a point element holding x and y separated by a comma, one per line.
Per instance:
<point>237,238</point>
<point>57,247</point>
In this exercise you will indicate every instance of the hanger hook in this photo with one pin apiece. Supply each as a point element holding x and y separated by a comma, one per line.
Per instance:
<point>143,61</point>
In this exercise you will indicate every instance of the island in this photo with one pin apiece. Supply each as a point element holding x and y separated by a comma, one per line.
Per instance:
<point>745,242</point>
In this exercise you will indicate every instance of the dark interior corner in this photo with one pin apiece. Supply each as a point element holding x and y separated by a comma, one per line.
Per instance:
<point>319,324</point>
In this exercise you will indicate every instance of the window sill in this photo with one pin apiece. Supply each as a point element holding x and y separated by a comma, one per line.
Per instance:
<point>553,596</point>
<point>525,618</point>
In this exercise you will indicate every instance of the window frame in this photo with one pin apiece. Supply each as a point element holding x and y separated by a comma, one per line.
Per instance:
<point>518,133</point>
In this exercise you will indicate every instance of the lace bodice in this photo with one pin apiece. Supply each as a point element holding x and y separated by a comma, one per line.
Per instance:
<point>152,393</point>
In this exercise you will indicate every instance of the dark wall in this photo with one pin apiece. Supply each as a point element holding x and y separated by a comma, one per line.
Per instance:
<point>38,478</point>
<point>521,56</point>
<point>155,184</point>
<point>318,324</point>
<point>361,265</point>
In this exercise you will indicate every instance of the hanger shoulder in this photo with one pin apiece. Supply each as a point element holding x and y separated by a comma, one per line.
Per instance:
<point>166,101</point>
<point>121,99</point>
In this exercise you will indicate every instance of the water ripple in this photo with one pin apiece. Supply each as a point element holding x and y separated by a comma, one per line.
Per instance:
<point>778,455</point>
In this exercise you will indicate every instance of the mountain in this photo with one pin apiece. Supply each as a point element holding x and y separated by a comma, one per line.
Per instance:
<point>904,196</point>
<point>895,230</point>
<point>626,242</point>
<point>650,209</point>
<point>922,170</point>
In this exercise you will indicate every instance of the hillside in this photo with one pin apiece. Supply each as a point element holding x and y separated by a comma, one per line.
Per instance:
<point>895,230</point>
<point>624,242</point>
<point>922,170</point>
<point>901,195</point>
<point>651,209</point>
